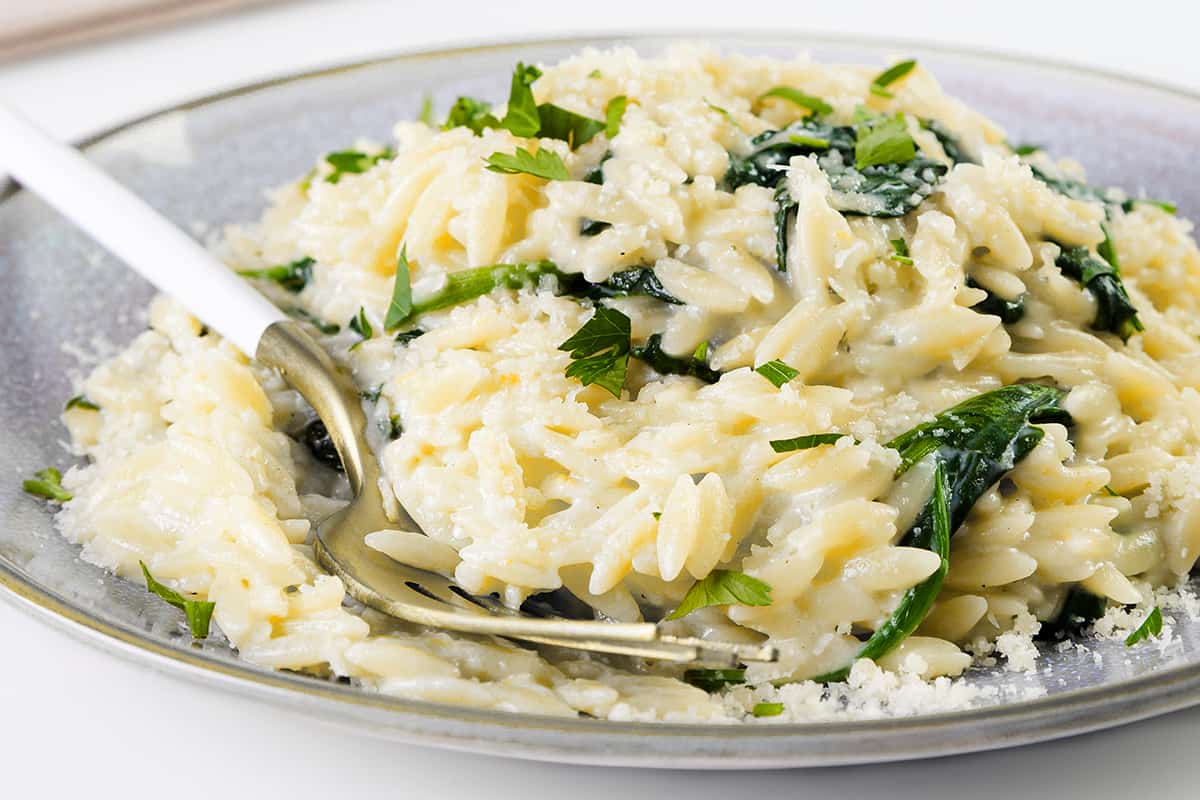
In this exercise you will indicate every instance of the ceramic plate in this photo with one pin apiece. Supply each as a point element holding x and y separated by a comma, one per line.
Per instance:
<point>207,163</point>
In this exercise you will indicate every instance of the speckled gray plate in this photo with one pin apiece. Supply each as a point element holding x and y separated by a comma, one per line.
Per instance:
<point>208,162</point>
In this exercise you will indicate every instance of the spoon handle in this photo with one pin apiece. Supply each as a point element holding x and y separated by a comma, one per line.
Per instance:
<point>134,232</point>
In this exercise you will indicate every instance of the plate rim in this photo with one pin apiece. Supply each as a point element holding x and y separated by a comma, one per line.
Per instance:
<point>1004,725</point>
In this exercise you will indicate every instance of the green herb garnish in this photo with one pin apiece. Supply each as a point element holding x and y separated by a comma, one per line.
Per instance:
<point>1115,312</point>
<point>293,276</point>
<point>81,402</point>
<point>467,112</point>
<point>327,328</point>
<point>814,104</point>
<point>767,709</point>
<point>394,427</point>
<point>614,112</point>
<point>887,142</point>
<point>542,164</point>
<point>900,252</point>
<point>1166,206</point>
<point>714,680</point>
<point>1025,149</point>
<point>890,76</point>
<point>600,350</point>
<point>401,306</point>
<point>521,115</point>
<point>404,337</point>
<point>1009,311</point>
<point>776,372</point>
<point>198,612</point>
<point>1151,626</point>
<point>805,442</point>
<point>353,162</point>
<point>362,326</point>
<point>47,483</point>
<point>426,113</point>
<point>723,587</point>
<point>701,352</point>
<point>574,129</point>
<point>1079,608</point>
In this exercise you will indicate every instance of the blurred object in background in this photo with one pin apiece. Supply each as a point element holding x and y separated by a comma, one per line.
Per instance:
<point>27,26</point>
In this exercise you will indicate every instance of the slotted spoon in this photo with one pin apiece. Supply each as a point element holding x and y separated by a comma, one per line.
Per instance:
<point>180,267</point>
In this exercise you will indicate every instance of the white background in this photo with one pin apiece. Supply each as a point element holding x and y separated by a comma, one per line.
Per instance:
<point>77,722</point>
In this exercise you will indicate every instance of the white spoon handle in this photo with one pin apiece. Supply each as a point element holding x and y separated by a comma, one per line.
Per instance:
<point>133,231</point>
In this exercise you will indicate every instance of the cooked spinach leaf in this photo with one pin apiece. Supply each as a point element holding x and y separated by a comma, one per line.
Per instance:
<point>354,162</point>
<point>47,483</point>
<point>785,209</point>
<point>884,188</point>
<point>1165,205</point>
<point>80,401</point>
<point>665,364</point>
<point>316,438</point>
<point>596,174</point>
<point>591,227</point>
<point>948,141</point>
<point>1076,190</point>
<point>1079,608</point>
<point>1115,312</point>
<point>776,372</point>
<point>627,282</point>
<point>1151,626</point>
<point>723,587</point>
<point>394,428</point>
<point>541,164</point>
<point>714,680</point>
<point>1009,311</point>
<point>293,276</point>
<point>327,328</point>
<point>805,442</point>
<point>198,612</point>
<point>574,129</point>
<point>814,104</point>
<point>600,350</point>
<point>973,444</point>
<point>404,337</point>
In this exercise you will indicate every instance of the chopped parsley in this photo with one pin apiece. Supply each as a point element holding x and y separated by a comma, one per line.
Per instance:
<point>900,252</point>
<point>293,276</point>
<point>80,401</point>
<point>723,587</point>
<point>1151,626</point>
<point>353,162</point>
<point>814,104</point>
<point>47,483</point>
<point>805,442</point>
<point>574,129</point>
<point>542,164</point>
<point>890,76</point>
<point>714,680</point>
<point>614,112</point>
<point>198,612</point>
<point>1025,149</point>
<point>776,372</point>
<point>467,112</point>
<point>701,353</point>
<point>767,709</point>
<point>521,115</point>
<point>401,305</point>
<point>886,142</point>
<point>426,113</point>
<point>362,326</point>
<point>600,350</point>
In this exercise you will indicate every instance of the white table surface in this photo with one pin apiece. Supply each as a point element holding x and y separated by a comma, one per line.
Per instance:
<point>78,722</point>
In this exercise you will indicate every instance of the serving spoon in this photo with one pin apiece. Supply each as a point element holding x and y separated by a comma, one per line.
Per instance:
<point>180,267</point>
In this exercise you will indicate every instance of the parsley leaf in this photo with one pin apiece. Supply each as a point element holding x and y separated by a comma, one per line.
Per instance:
<point>887,142</point>
<point>1151,626</point>
<point>559,123</point>
<point>600,350</point>
<point>767,709</point>
<point>814,104</point>
<point>80,401</point>
<point>47,483</point>
<point>713,680</point>
<point>900,252</point>
<point>354,162</point>
<point>614,112</point>
<point>776,372</point>
<point>467,112</point>
<point>426,113</point>
<point>293,276</point>
<point>723,587</point>
<point>805,442</point>
<point>199,612</point>
<point>1025,149</point>
<point>890,76</point>
<point>521,116</point>
<point>362,326</point>
<point>542,164</point>
<point>401,306</point>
